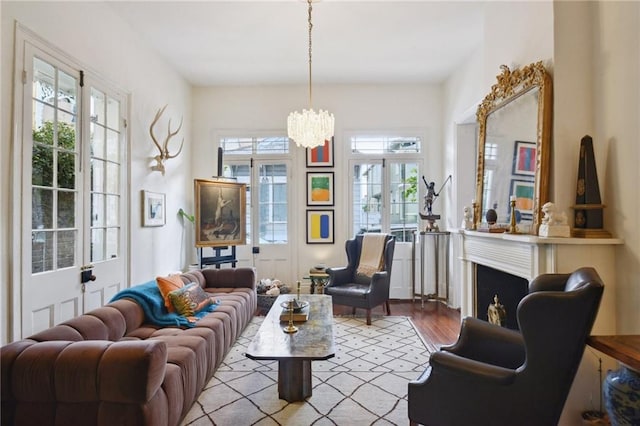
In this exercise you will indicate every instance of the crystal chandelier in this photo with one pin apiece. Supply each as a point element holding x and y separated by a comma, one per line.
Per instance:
<point>310,129</point>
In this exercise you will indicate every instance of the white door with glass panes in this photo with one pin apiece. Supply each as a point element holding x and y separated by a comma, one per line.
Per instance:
<point>264,165</point>
<point>73,196</point>
<point>385,195</point>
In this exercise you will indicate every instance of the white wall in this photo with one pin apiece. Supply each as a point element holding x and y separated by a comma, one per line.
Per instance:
<point>356,108</point>
<point>92,35</point>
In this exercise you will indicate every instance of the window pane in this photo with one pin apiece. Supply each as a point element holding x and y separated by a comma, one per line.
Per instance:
<point>113,208</point>
<point>367,198</point>
<point>66,170</point>
<point>257,145</point>
<point>403,200</point>
<point>66,209</point>
<point>42,166</point>
<point>113,178</point>
<point>67,92</point>
<point>41,209</point>
<point>113,146</point>
<point>113,114</point>
<point>384,144</point>
<point>112,242</point>
<point>66,248</point>
<point>41,251</point>
<point>97,175</point>
<point>42,126</point>
<point>97,141</point>
<point>97,107</point>
<point>43,81</point>
<point>273,196</point>
<point>97,210</point>
<point>97,244</point>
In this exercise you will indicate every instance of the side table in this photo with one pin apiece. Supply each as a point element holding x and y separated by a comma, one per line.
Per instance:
<point>318,281</point>
<point>431,250</point>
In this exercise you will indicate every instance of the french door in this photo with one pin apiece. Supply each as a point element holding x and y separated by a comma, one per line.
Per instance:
<point>268,212</point>
<point>72,178</point>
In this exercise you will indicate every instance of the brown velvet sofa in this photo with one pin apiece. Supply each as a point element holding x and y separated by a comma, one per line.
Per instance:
<point>111,367</point>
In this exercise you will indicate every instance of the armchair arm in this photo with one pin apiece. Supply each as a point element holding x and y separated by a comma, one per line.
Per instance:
<point>338,276</point>
<point>489,343</point>
<point>449,363</point>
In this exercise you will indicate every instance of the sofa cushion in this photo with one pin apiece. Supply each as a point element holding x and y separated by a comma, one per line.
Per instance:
<point>166,286</point>
<point>190,300</point>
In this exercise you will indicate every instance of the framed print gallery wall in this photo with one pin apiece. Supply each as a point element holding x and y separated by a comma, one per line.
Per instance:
<point>220,213</point>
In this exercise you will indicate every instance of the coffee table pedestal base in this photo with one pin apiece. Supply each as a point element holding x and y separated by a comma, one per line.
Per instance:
<point>294,379</point>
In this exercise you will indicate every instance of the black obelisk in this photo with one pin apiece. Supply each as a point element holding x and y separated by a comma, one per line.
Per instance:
<point>588,215</point>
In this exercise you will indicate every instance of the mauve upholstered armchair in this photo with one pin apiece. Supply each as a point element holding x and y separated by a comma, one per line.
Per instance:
<point>350,289</point>
<point>497,376</point>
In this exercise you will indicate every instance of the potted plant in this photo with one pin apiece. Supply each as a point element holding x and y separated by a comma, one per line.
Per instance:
<point>191,218</point>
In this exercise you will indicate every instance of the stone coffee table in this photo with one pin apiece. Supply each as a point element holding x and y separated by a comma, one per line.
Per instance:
<point>294,352</point>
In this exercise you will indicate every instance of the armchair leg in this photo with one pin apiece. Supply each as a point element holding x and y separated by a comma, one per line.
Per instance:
<point>412,423</point>
<point>388,308</point>
<point>368,316</point>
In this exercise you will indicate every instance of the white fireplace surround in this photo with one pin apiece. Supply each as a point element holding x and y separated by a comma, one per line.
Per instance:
<point>528,256</point>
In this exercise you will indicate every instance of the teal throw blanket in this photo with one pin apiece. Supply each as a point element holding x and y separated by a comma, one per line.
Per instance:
<point>148,296</point>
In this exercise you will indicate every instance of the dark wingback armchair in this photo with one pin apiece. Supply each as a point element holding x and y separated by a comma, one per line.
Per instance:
<point>496,376</point>
<point>346,287</point>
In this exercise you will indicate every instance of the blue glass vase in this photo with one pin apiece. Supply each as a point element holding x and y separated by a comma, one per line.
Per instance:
<point>621,392</point>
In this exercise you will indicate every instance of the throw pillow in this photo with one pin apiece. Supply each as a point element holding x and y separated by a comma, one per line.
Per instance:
<point>190,299</point>
<point>166,286</point>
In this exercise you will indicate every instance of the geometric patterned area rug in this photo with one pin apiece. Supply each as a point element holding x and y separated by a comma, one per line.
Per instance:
<point>364,384</point>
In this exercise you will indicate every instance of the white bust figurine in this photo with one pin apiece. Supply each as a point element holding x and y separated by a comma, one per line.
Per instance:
<point>467,221</point>
<point>554,224</point>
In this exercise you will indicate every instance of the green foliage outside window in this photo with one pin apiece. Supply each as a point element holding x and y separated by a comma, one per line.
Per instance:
<point>42,161</point>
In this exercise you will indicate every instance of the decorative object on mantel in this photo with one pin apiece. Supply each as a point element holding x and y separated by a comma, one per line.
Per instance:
<point>554,223</point>
<point>492,215</point>
<point>588,215</point>
<point>467,220</point>
<point>164,148</point>
<point>513,228</point>
<point>429,199</point>
<point>476,216</point>
<point>310,129</point>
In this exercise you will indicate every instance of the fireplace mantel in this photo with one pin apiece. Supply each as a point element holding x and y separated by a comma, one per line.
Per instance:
<point>528,256</point>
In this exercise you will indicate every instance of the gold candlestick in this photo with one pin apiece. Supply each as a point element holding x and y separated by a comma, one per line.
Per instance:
<point>513,229</point>
<point>290,328</point>
<point>474,207</point>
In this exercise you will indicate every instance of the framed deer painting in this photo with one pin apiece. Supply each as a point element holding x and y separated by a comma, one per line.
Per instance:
<point>220,213</point>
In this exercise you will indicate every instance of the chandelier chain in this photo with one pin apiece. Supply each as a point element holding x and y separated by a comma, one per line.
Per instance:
<point>310,28</point>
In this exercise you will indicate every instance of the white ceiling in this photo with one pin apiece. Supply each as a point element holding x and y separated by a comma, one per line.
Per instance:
<point>265,42</point>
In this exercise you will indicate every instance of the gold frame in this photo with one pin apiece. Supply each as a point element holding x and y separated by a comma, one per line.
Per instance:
<point>510,86</point>
<point>220,224</point>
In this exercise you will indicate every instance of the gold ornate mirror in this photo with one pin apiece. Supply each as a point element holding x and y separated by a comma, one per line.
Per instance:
<point>513,147</point>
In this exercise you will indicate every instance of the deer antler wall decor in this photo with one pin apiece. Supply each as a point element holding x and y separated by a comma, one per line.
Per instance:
<point>164,148</point>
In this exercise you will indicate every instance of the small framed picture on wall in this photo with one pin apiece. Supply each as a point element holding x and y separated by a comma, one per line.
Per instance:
<point>321,156</point>
<point>320,227</point>
<point>153,208</point>
<point>320,189</point>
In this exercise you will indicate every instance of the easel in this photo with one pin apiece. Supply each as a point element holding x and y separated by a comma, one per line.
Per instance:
<point>218,259</point>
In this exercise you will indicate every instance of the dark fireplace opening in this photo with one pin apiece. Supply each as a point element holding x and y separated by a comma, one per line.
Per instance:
<point>509,290</point>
